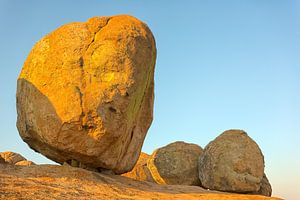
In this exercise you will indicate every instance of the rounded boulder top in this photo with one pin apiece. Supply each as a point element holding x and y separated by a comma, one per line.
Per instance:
<point>233,162</point>
<point>86,92</point>
<point>175,164</point>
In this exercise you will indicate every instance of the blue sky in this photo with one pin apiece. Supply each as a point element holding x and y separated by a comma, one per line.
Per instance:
<point>220,65</point>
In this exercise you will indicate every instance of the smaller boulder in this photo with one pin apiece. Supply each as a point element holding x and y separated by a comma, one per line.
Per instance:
<point>175,164</point>
<point>140,171</point>
<point>233,162</point>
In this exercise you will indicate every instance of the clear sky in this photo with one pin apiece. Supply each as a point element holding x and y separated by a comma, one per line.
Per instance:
<point>220,65</point>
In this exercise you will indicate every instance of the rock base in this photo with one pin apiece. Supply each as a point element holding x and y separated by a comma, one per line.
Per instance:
<point>64,182</point>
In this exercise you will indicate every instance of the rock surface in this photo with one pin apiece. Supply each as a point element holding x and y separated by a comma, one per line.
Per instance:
<point>175,164</point>
<point>140,171</point>
<point>85,92</point>
<point>232,162</point>
<point>12,158</point>
<point>60,182</point>
<point>25,163</point>
<point>265,187</point>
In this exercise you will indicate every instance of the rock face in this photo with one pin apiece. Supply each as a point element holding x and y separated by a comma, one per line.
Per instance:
<point>25,163</point>
<point>12,158</point>
<point>175,164</point>
<point>61,182</point>
<point>265,187</point>
<point>140,171</point>
<point>85,93</point>
<point>232,162</point>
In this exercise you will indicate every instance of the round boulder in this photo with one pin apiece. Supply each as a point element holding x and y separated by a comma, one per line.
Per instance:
<point>140,171</point>
<point>175,164</point>
<point>232,162</point>
<point>85,93</point>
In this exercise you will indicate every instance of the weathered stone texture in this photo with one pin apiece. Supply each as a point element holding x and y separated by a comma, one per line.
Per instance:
<point>175,164</point>
<point>85,92</point>
<point>232,162</point>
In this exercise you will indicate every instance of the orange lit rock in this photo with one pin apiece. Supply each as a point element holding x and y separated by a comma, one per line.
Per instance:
<point>140,171</point>
<point>25,163</point>
<point>9,157</point>
<point>85,93</point>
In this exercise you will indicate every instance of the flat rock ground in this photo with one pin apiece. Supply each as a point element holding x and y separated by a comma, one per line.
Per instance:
<point>64,182</point>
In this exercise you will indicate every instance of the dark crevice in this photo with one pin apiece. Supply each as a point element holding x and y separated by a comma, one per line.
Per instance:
<point>80,97</point>
<point>132,132</point>
<point>81,62</point>
<point>87,127</point>
<point>95,34</point>
<point>69,162</point>
<point>131,136</point>
<point>112,109</point>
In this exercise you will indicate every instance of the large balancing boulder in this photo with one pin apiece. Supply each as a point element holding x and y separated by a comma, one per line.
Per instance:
<point>85,93</point>
<point>175,164</point>
<point>233,162</point>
